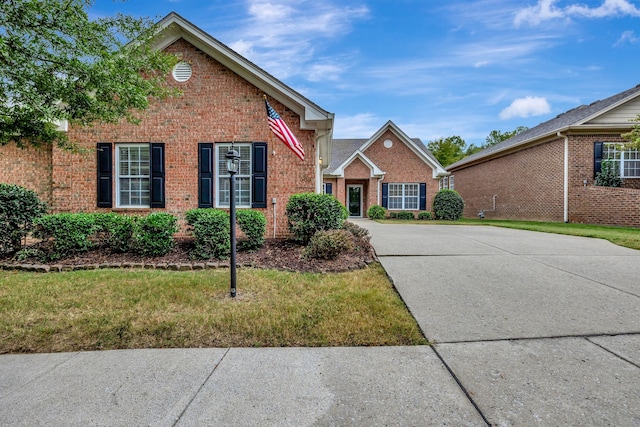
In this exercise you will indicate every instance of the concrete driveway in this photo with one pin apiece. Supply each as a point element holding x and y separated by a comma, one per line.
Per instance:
<point>537,328</point>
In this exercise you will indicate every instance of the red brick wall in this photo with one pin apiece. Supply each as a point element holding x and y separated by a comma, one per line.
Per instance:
<point>217,105</point>
<point>529,186</point>
<point>400,164</point>
<point>605,205</point>
<point>28,167</point>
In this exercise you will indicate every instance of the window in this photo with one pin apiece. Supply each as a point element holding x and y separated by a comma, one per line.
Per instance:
<point>627,162</point>
<point>451,186</point>
<point>138,171</point>
<point>444,183</point>
<point>403,196</point>
<point>133,167</point>
<point>243,177</point>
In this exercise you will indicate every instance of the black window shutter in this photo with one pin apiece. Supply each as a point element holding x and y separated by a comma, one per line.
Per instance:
<point>423,196</point>
<point>597,158</point>
<point>105,175</point>
<point>385,194</point>
<point>205,175</point>
<point>259,175</point>
<point>328,188</point>
<point>157,175</point>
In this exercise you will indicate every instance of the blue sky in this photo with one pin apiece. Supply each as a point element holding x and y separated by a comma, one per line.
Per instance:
<point>436,68</point>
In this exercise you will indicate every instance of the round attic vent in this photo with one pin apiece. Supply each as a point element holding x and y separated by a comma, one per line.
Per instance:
<point>182,72</point>
<point>388,143</point>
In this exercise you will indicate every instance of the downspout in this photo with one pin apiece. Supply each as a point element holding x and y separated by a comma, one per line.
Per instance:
<point>566,175</point>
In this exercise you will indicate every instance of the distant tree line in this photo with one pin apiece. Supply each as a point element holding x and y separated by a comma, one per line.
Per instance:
<point>450,149</point>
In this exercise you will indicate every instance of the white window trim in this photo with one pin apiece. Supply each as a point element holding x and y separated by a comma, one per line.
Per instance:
<point>219,175</point>
<point>622,159</point>
<point>404,196</point>
<point>119,205</point>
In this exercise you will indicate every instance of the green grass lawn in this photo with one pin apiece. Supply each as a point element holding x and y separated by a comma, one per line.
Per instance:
<point>115,309</point>
<point>622,236</point>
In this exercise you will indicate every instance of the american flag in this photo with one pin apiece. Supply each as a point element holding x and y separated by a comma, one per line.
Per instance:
<point>281,130</point>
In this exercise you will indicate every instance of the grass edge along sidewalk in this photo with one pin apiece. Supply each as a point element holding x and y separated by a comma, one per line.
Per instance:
<point>123,309</point>
<point>622,236</point>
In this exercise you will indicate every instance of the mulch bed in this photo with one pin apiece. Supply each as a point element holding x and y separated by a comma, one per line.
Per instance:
<point>277,254</point>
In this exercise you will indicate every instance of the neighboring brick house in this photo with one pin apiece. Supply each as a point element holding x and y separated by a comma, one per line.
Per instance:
<point>389,169</point>
<point>173,160</point>
<point>547,173</point>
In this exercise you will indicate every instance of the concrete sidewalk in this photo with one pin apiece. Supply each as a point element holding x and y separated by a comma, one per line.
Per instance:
<point>529,329</point>
<point>223,387</point>
<point>538,329</point>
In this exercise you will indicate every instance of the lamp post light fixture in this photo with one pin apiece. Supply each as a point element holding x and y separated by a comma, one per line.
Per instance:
<point>233,163</point>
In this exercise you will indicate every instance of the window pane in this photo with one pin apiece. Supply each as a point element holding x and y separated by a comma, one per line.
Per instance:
<point>133,172</point>
<point>243,177</point>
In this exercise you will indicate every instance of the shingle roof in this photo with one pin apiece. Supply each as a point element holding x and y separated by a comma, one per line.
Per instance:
<point>344,148</point>
<point>561,122</point>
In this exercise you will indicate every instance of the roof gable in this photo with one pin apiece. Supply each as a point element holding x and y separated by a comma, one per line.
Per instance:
<point>345,150</point>
<point>609,113</point>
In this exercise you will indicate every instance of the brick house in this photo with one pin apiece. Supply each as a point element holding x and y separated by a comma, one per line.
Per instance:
<point>547,173</point>
<point>389,169</point>
<point>173,160</point>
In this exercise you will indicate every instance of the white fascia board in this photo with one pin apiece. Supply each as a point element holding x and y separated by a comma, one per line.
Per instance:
<point>375,170</point>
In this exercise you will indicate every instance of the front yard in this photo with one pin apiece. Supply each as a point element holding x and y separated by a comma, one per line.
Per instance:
<point>117,309</point>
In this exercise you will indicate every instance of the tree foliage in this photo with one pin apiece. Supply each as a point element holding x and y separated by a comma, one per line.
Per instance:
<point>633,137</point>
<point>57,64</point>
<point>447,150</point>
<point>494,137</point>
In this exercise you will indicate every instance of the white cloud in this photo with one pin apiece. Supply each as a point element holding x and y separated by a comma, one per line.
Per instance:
<point>546,10</point>
<point>284,35</point>
<point>361,125</point>
<point>526,107</point>
<point>628,37</point>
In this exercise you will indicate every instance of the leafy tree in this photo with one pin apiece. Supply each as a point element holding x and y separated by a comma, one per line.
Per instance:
<point>633,137</point>
<point>57,64</point>
<point>496,136</point>
<point>447,150</point>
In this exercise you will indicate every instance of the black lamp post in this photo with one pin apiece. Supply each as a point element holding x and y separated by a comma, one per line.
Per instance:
<point>233,162</point>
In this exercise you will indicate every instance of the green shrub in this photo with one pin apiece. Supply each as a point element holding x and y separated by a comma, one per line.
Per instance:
<point>210,228</point>
<point>357,231</point>
<point>402,215</point>
<point>19,207</point>
<point>608,175</point>
<point>328,244</point>
<point>153,234</point>
<point>425,215</point>
<point>70,232</point>
<point>254,225</point>
<point>448,205</point>
<point>115,231</point>
<point>376,212</point>
<point>308,213</point>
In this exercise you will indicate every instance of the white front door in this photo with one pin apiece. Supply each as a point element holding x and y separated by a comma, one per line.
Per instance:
<point>354,200</point>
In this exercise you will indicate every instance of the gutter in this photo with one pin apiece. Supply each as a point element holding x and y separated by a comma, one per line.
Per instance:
<point>566,176</point>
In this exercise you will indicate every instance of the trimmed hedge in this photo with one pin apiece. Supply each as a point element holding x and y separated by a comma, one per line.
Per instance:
<point>448,205</point>
<point>19,208</point>
<point>70,233</point>
<point>403,215</point>
<point>376,212</point>
<point>254,225</point>
<point>328,244</point>
<point>210,227</point>
<point>425,215</point>
<point>308,213</point>
<point>153,234</point>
